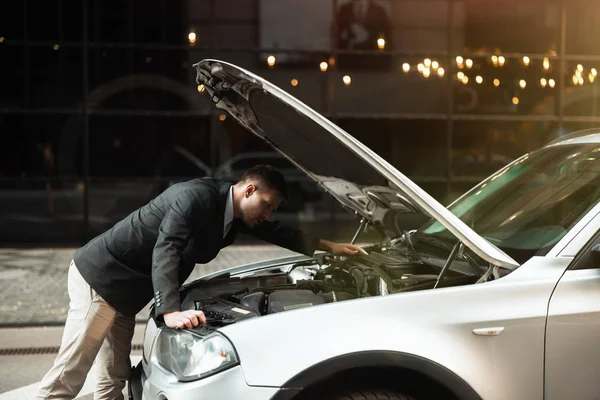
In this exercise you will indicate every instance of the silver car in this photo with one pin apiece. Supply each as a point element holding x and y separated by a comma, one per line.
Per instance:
<point>495,297</point>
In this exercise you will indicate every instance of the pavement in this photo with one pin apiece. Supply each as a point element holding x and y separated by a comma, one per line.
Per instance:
<point>33,282</point>
<point>34,304</point>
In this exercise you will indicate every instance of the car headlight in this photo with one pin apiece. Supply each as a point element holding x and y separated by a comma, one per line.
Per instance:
<point>190,356</point>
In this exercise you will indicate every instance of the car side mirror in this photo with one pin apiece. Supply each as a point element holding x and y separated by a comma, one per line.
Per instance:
<point>596,249</point>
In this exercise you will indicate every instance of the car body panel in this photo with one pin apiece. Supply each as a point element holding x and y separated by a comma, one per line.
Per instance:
<point>436,325</point>
<point>242,94</point>
<point>258,265</point>
<point>572,353</point>
<point>227,385</point>
<point>573,326</point>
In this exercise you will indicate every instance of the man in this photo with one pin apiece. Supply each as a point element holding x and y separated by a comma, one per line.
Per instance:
<point>151,253</point>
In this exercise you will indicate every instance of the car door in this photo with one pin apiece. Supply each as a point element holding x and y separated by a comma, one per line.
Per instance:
<point>573,330</point>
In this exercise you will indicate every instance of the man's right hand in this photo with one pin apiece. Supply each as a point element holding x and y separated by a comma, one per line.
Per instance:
<point>184,319</point>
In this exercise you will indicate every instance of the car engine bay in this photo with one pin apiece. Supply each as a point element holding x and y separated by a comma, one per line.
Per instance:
<point>228,299</point>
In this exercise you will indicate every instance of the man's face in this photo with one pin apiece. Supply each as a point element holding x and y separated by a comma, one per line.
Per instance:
<point>258,203</point>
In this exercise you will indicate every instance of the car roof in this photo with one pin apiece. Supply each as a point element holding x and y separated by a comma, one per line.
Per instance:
<point>578,137</point>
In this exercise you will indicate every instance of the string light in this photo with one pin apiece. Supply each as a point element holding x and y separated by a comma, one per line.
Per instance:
<point>222,117</point>
<point>440,72</point>
<point>427,62</point>
<point>543,82</point>
<point>515,100</point>
<point>271,61</point>
<point>479,79</point>
<point>331,60</point>
<point>522,83</point>
<point>495,60</point>
<point>192,37</point>
<point>381,43</point>
<point>426,72</point>
<point>465,79</point>
<point>546,63</point>
<point>56,47</point>
<point>496,82</point>
<point>501,60</point>
<point>591,77</point>
<point>406,67</point>
<point>294,82</point>
<point>460,75</point>
<point>435,65</point>
<point>526,60</point>
<point>469,63</point>
<point>1,39</point>
<point>581,80</point>
<point>579,67</point>
<point>459,61</point>
<point>347,80</point>
<point>594,72</point>
<point>323,66</point>
<point>420,67</point>
<point>551,83</point>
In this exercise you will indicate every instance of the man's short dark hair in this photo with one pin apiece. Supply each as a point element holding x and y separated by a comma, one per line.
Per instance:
<point>268,176</point>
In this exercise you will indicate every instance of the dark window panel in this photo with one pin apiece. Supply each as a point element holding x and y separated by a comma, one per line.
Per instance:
<point>235,36</point>
<point>11,21</point>
<point>480,148</point>
<point>417,148</point>
<point>387,88</point>
<point>532,27</point>
<point>582,27</point>
<point>111,29</point>
<point>581,97</point>
<point>56,77</point>
<point>72,14</point>
<point>145,146</point>
<point>11,94</point>
<point>40,210</point>
<point>40,146</point>
<point>42,20</point>
<point>108,64</point>
<point>235,9</point>
<point>495,84</point>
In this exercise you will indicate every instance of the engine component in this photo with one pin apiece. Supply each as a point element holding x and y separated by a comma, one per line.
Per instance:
<point>255,301</point>
<point>300,274</point>
<point>285,300</point>
<point>332,297</point>
<point>222,312</point>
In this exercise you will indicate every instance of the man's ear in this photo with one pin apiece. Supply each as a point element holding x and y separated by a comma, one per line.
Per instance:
<point>250,189</point>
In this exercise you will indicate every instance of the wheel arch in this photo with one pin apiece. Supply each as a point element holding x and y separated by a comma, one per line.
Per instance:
<point>320,374</point>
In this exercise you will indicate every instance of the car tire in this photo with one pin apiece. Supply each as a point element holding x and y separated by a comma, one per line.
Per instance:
<point>372,394</point>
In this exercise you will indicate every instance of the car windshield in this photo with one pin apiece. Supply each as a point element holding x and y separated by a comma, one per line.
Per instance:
<point>528,206</point>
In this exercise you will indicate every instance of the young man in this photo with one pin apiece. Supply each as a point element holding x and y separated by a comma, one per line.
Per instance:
<point>151,253</point>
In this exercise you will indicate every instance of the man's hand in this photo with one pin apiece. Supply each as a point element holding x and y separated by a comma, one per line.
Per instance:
<point>184,319</point>
<point>340,249</point>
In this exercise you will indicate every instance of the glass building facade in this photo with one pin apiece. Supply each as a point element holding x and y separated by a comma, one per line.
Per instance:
<point>99,110</point>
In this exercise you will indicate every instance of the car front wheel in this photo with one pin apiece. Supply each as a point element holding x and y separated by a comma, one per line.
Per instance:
<point>371,394</point>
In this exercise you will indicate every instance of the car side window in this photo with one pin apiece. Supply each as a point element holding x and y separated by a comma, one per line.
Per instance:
<point>590,256</point>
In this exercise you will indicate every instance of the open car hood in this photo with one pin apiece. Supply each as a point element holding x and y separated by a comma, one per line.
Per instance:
<point>352,173</point>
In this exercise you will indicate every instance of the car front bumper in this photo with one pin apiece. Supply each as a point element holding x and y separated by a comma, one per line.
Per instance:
<point>229,384</point>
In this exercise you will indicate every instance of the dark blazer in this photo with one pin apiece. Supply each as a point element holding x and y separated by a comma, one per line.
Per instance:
<point>153,250</point>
